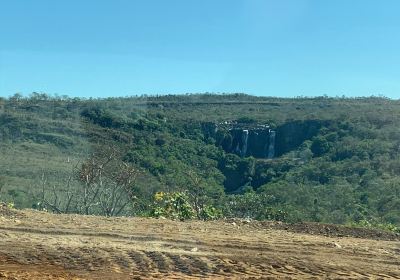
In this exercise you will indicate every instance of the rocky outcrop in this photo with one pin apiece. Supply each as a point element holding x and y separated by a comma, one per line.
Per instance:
<point>257,140</point>
<point>260,140</point>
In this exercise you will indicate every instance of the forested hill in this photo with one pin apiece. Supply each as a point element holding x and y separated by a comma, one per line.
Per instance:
<point>316,159</point>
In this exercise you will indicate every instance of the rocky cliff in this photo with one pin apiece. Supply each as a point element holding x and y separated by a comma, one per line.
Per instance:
<point>261,140</point>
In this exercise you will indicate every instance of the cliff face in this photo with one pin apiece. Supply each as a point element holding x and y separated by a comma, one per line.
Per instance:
<point>291,135</point>
<point>259,140</point>
<point>256,142</point>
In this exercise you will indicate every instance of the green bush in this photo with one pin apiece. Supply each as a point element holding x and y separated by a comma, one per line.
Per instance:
<point>254,206</point>
<point>174,206</point>
<point>376,225</point>
<point>210,213</point>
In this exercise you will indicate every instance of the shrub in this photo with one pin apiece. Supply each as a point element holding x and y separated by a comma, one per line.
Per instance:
<point>210,213</point>
<point>173,206</point>
<point>376,225</point>
<point>254,206</point>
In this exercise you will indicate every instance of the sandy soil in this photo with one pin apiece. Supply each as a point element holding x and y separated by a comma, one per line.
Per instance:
<point>38,245</point>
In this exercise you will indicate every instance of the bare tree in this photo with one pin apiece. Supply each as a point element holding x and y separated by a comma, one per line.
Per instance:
<point>103,184</point>
<point>91,175</point>
<point>107,183</point>
<point>58,199</point>
<point>119,193</point>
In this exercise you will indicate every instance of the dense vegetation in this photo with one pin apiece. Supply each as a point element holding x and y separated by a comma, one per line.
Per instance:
<point>152,155</point>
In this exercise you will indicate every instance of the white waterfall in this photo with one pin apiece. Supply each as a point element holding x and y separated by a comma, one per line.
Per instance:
<point>271,146</point>
<point>245,137</point>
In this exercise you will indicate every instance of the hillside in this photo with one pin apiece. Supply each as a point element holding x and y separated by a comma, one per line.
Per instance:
<point>333,160</point>
<point>39,245</point>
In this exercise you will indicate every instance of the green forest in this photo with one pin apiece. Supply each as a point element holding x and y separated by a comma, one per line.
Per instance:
<point>204,156</point>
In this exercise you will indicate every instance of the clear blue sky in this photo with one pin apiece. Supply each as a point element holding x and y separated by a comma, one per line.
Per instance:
<point>105,48</point>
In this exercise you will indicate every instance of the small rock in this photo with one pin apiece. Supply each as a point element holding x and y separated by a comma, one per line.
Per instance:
<point>247,221</point>
<point>337,245</point>
<point>195,249</point>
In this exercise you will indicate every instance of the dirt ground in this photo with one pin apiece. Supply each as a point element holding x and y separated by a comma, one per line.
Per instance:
<point>38,245</point>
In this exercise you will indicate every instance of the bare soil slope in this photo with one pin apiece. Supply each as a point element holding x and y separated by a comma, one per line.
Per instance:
<point>38,245</point>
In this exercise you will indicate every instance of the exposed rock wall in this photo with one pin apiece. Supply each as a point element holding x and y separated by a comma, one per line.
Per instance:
<point>251,142</point>
<point>292,134</point>
<point>259,140</point>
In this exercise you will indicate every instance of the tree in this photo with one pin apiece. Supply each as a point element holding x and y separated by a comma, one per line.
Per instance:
<point>319,146</point>
<point>103,184</point>
<point>107,183</point>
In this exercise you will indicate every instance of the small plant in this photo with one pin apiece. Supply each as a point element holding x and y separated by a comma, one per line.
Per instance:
<point>275,214</point>
<point>376,225</point>
<point>210,213</point>
<point>254,206</point>
<point>39,206</point>
<point>173,205</point>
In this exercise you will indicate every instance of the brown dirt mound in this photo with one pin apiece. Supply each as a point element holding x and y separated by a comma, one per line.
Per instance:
<point>330,230</point>
<point>38,245</point>
<point>341,231</point>
<point>8,212</point>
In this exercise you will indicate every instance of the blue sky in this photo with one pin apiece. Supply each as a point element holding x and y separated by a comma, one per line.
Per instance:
<point>283,48</point>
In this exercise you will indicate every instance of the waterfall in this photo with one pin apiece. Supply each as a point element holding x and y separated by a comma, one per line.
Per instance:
<point>245,137</point>
<point>271,146</point>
